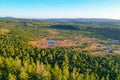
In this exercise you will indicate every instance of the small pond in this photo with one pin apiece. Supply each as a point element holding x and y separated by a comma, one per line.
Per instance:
<point>51,42</point>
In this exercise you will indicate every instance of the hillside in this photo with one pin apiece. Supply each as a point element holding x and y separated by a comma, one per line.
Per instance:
<point>59,49</point>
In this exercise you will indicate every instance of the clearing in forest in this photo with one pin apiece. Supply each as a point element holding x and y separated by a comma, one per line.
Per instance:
<point>45,43</point>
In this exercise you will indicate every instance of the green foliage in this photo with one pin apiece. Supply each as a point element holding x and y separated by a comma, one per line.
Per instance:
<point>20,61</point>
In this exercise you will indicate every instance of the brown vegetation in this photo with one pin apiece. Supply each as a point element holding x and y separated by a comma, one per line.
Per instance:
<point>43,43</point>
<point>3,31</point>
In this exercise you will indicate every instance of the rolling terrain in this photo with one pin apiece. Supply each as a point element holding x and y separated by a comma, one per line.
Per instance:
<point>59,49</point>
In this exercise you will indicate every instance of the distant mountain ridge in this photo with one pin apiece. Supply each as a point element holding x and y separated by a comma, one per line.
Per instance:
<point>84,20</point>
<point>71,20</point>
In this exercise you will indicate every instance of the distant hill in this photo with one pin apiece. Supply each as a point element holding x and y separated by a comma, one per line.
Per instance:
<point>9,17</point>
<point>70,19</point>
<point>98,21</point>
<point>83,20</point>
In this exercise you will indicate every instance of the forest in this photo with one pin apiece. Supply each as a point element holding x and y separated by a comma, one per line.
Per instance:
<point>20,60</point>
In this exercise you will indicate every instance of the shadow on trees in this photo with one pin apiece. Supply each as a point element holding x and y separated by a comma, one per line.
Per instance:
<point>98,32</point>
<point>105,32</point>
<point>64,27</point>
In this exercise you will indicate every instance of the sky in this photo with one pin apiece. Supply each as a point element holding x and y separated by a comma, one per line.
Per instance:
<point>60,8</point>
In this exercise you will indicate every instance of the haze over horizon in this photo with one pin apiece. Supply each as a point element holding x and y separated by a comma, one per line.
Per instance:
<point>60,8</point>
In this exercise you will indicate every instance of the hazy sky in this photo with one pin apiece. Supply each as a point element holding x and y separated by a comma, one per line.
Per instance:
<point>60,8</point>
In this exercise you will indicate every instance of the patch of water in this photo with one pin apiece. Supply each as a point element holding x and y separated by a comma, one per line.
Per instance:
<point>51,42</point>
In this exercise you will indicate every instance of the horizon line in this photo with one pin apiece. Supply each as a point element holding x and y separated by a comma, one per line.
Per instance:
<point>58,17</point>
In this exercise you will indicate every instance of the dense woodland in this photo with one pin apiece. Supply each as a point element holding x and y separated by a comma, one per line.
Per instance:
<point>21,61</point>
